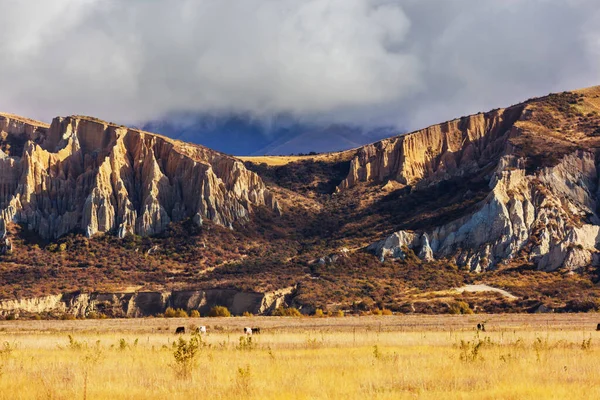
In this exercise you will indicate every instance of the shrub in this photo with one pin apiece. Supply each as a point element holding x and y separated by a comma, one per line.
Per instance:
<point>219,311</point>
<point>194,314</point>
<point>319,313</point>
<point>246,343</point>
<point>247,314</point>
<point>180,313</point>
<point>170,312</point>
<point>460,307</point>
<point>386,311</point>
<point>95,315</point>
<point>185,353</point>
<point>67,316</point>
<point>287,312</point>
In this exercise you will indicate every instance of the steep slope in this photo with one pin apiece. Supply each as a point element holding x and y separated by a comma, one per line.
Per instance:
<point>542,207</point>
<point>82,174</point>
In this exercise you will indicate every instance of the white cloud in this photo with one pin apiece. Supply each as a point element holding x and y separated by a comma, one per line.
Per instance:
<point>408,62</point>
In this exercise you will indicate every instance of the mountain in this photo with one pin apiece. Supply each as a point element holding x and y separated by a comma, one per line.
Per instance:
<point>82,174</point>
<point>507,199</point>
<point>243,135</point>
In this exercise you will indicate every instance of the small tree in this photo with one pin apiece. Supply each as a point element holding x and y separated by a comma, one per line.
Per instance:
<point>185,353</point>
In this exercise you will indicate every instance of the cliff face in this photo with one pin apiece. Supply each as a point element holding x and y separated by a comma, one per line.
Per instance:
<point>149,303</point>
<point>436,153</point>
<point>85,174</point>
<point>548,218</point>
<point>542,208</point>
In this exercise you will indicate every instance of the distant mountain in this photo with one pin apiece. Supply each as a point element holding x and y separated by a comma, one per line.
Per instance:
<point>244,135</point>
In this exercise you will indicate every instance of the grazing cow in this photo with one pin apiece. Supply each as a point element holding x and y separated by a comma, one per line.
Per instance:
<point>255,331</point>
<point>180,330</point>
<point>248,331</point>
<point>481,327</point>
<point>598,327</point>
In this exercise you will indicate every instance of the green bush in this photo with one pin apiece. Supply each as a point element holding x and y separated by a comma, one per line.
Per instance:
<point>219,311</point>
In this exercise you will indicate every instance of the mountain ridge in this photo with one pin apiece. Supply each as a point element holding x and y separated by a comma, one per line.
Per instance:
<point>497,198</point>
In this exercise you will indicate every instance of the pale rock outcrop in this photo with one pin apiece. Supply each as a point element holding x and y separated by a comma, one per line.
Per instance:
<point>89,175</point>
<point>553,210</point>
<point>439,152</point>
<point>149,303</point>
<point>33,305</point>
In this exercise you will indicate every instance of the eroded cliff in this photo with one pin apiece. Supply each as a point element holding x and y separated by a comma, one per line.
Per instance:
<point>542,207</point>
<point>439,152</point>
<point>143,304</point>
<point>83,174</point>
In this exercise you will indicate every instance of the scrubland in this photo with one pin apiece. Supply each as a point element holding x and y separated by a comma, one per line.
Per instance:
<point>518,357</point>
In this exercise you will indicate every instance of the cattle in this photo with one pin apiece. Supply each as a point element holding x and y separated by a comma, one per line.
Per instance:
<point>201,330</point>
<point>255,331</point>
<point>598,327</point>
<point>481,327</point>
<point>180,330</point>
<point>248,331</point>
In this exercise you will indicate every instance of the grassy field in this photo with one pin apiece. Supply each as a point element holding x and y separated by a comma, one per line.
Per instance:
<point>387,357</point>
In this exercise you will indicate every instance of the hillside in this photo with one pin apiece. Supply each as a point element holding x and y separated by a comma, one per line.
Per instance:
<point>506,198</point>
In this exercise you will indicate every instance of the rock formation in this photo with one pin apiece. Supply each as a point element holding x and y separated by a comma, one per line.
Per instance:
<point>82,174</point>
<point>550,210</point>
<point>436,153</point>
<point>148,303</point>
<point>546,216</point>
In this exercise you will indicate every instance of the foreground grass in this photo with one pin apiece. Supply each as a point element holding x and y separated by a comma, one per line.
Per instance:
<point>308,363</point>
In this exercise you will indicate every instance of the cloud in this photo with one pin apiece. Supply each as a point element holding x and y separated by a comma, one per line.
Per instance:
<point>407,62</point>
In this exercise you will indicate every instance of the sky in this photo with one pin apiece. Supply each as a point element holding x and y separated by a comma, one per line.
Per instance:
<point>408,63</point>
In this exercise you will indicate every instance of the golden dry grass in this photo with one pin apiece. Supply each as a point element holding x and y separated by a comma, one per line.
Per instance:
<point>519,357</point>
<point>277,161</point>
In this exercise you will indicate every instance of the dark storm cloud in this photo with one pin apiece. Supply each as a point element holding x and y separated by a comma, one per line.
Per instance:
<point>411,62</point>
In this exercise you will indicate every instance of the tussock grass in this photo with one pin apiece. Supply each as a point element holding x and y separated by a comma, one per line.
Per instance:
<point>350,361</point>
